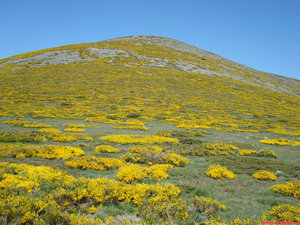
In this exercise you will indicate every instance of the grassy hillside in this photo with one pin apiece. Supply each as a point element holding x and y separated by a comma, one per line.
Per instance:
<point>197,108</point>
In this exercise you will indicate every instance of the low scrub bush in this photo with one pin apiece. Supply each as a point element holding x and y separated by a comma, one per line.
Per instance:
<point>92,162</point>
<point>138,139</point>
<point>132,127</point>
<point>266,153</point>
<point>49,131</point>
<point>145,148</point>
<point>70,125</point>
<point>22,136</point>
<point>23,123</point>
<point>106,148</point>
<point>151,157</point>
<point>264,175</point>
<point>291,188</point>
<point>205,149</point>
<point>280,141</point>
<point>283,213</point>
<point>247,152</point>
<point>20,150</point>
<point>74,129</point>
<point>219,172</point>
<point>190,133</point>
<point>207,207</point>
<point>131,173</point>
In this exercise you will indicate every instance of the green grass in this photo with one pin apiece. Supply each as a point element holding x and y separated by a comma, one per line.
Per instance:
<point>125,210</point>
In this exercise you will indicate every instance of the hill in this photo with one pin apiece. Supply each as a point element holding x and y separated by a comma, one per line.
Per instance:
<point>155,78</point>
<point>197,108</point>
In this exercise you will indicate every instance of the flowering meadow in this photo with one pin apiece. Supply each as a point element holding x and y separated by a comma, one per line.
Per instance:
<point>142,173</point>
<point>134,139</point>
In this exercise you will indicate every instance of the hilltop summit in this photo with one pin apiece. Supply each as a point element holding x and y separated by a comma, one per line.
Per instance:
<point>148,51</point>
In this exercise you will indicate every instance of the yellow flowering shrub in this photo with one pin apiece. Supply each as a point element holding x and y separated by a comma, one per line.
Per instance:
<point>145,148</point>
<point>56,195</point>
<point>291,188</point>
<point>81,145</point>
<point>236,221</point>
<point>23,123</point>
<point>239,221</point>
<point>246,152</point>
<point>83,137</point>
<point>93,209</point>
<point>208,149</point>
<point>266,153</point>
<point>283,213</point>
<point>138,139</point>
<point>207,206</point>
<point>220,146</point>
<point>187,126</point>
<point>35,173</point>
<point>116,189</point>
<point>76,219</point>
<point>63,138</point>
<point>20,150</point>
<point>11,182</point>
<point>85,220</point>
<point>24,136</point>
<point>15,122</point>
<point>70,125</point>
<point>260,153</point>
<point>69,137</point>
<point>158,171</point>
<point>200,150</point>
<point>25,209</point>
<point>175,159</point>
<point>219,172</point>
<point>280,141</point>
<point>131,173</point>
<point>264,175</point>
<point>102,119</point>
<point>160,211</point>
<point>74,129</point>
<point>106,148</point>
<point>134,122</point>
<point>92,162</point>
<point>190,133</point>
<point>49,131</point>
<point>150,157</point>
<point>163,134</point>
<point>56,135</point>
<point>135,127</point>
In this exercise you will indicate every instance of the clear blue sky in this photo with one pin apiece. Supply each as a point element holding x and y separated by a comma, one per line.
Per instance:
<point>263,34</point>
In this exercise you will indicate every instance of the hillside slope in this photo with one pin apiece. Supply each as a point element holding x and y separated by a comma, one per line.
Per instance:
<point>151,78</point>
<point>145,130</point>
